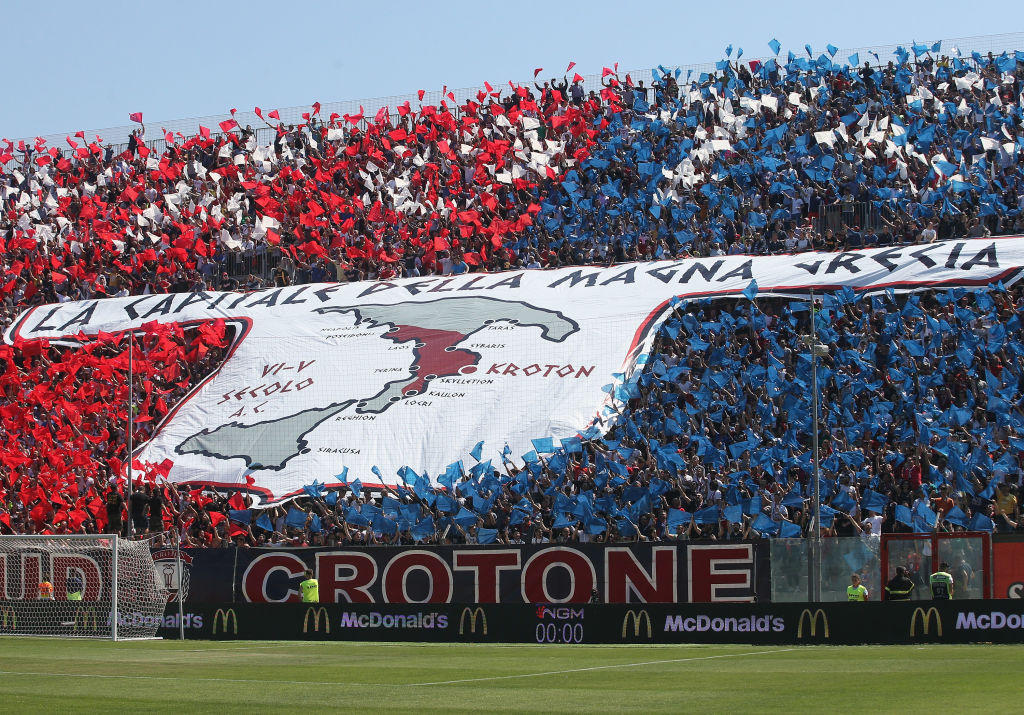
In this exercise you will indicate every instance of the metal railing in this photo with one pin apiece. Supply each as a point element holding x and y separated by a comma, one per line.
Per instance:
<point>835,217</point>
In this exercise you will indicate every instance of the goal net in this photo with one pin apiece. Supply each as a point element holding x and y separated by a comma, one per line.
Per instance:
<point>79,586</point>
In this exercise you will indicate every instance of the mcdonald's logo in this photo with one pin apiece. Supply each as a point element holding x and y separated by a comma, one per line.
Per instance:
<point>317,613</point>
<point>637,618</point>
<point>926,621</point>
<point>8,618</point>
<point>812,621</point>
<point>472,613</point>
<point>222,617</point>
<point>83,616</point>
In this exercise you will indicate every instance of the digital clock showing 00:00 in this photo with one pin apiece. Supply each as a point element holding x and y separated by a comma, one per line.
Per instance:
<point>564,632</point>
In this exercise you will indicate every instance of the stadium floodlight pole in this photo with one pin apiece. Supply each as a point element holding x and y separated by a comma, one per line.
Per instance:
<point>131,427</point>
<point>816,542</point>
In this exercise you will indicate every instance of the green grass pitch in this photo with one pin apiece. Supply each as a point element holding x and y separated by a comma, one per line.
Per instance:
<point>49,675</point>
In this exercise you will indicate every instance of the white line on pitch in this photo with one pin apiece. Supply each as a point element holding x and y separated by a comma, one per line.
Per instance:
<point>601,667</point>
<point>190,679</point>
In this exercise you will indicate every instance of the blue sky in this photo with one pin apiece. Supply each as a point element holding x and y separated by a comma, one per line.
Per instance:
<point>87,65</point>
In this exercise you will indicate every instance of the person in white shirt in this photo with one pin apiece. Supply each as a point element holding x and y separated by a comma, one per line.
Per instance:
<point>446,264</point>
<point>928,235</point>
<point>874,521</point>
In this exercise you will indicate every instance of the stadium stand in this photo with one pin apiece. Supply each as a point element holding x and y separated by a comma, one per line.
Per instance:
<point>921,394</point>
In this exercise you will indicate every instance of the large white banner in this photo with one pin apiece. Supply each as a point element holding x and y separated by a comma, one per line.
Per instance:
<point>417,371</point>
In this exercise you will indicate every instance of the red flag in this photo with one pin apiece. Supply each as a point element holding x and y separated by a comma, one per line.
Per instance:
<point>136,117</point>
<point>537,72</point>
<point>259,112</point>
<point>605,71</point>
<point>569,68</point>
<point>227,125</point>
<point>274,115</point>
<point>577,78</point>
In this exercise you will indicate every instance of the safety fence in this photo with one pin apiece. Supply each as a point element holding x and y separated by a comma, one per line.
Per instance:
<point>117,137</point>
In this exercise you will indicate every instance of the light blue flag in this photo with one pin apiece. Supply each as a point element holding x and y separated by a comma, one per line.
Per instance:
<point>445,504</point>
<point>793,499</point>
<point>764,525</point>
<point>356,518</point>
<point>956,516</point>
<point>465,518</point>
<point>384,525</point>
<point>572,445</point>
<point>844,502</point>
<point>873,501</point>
<point>914,348</point>
<point>733,514</point>
<point>423,530</point>
<point>750,292</point>
<point>296,518</point>
<point>544,445</point>
<point>596,525</point>
<point>677,518</point>
<point>980,522</point>
<point>486,536</point>
<point>707,515</point>
<point>315,490</point>
<point>477,451</point>
<point>775,45</point>
<point>240,516</point>
<point>925,513</point>
<point>562,521</point>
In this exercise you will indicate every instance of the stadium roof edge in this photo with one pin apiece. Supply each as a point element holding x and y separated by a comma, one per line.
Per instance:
<point>293,115</point>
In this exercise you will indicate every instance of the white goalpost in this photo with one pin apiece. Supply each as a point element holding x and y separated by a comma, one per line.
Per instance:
<point>79,586</point>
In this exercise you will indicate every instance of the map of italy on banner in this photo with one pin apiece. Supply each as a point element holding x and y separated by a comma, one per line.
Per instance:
<point>417,371</point>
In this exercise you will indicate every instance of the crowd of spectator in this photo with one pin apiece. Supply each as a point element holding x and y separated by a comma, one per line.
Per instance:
<point>918,393</point>
<point>713,440</point>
